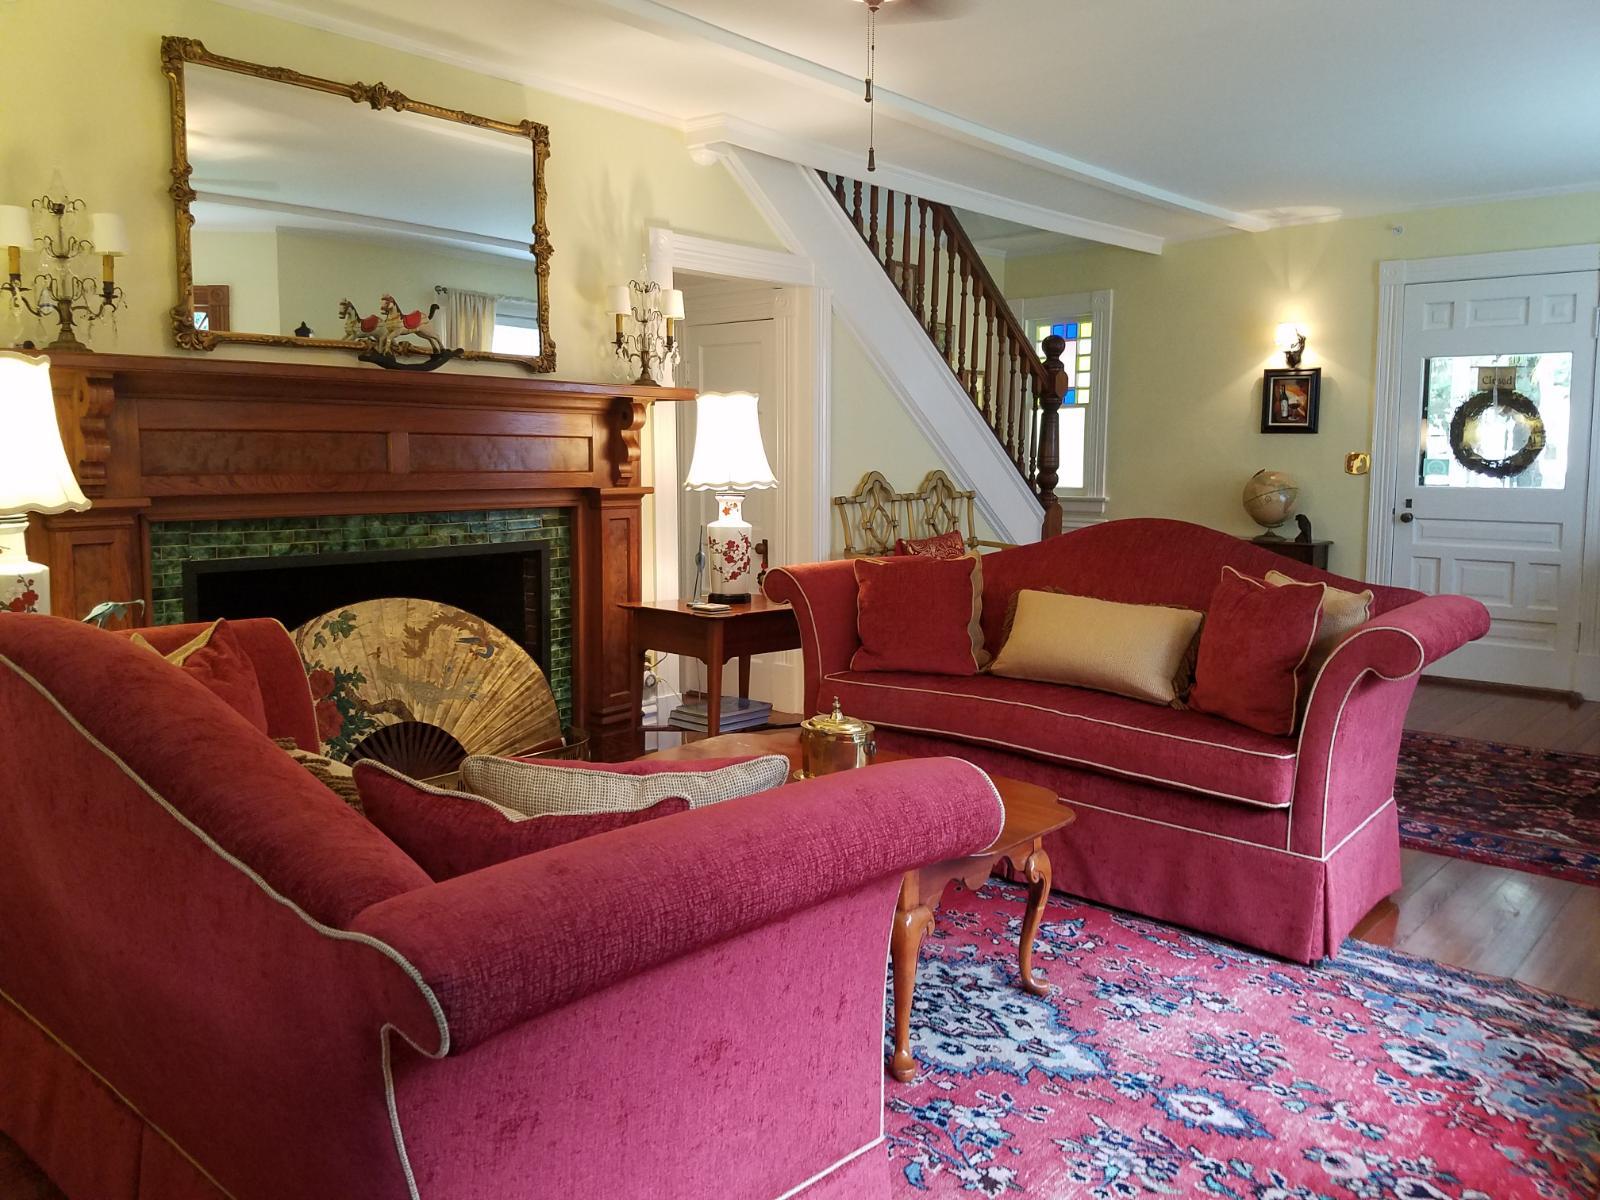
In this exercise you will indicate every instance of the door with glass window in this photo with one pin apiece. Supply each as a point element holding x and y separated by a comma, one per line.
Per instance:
<point>1498,389</point>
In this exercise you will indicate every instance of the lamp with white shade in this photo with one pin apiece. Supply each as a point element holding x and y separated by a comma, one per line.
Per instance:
<point>729,460</point>
<point>34,476</point>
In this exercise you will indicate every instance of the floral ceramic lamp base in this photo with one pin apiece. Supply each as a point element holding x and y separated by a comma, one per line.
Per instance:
<point>728,548</point>
<point>24,585</point>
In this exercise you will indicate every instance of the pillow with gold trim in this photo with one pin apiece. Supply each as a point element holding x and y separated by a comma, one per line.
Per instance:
<point>216,659</point>
<point>1255,643</point>
<point>1133,650</point>
<point>915,613</point>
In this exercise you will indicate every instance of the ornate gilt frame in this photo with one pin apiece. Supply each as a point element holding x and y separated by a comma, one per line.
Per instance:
<point>176,52</point>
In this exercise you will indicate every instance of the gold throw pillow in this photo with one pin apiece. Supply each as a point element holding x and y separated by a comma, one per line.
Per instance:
<point>1134,650</point>
<point>1342,612</point>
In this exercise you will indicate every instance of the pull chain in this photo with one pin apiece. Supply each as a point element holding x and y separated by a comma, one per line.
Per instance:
<point>872,70</point>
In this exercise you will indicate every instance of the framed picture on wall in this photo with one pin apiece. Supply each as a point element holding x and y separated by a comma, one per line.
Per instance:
<point>1289,400</point>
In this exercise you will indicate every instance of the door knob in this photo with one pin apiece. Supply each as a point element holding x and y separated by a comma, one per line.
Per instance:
<point>1406,518</point>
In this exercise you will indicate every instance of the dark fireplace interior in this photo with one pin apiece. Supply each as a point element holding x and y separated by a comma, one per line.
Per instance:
<point>505,583</point>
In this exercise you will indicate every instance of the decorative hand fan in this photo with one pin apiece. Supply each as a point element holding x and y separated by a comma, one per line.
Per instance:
<point>418,685</point>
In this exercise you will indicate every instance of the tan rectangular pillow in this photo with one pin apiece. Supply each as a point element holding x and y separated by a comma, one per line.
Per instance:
<point>1134,650</point>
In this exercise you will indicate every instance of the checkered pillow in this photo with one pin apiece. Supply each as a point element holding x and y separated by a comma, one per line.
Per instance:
<point>546,788</point>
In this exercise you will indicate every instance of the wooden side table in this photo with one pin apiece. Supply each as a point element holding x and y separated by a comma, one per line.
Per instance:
<point>1314,554</point>
<point>1031,812</point>
<point>761,627</point>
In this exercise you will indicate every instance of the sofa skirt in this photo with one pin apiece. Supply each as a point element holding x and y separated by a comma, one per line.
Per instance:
<point>90,1143</point>
<point>1292,905</point>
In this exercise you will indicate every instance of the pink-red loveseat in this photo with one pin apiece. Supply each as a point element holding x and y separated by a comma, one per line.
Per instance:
<point>1279,843</point>
<point>217,979</point>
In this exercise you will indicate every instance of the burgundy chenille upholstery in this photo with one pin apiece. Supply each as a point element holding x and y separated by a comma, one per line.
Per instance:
<point>216,979</point>
<point>1282,843</point>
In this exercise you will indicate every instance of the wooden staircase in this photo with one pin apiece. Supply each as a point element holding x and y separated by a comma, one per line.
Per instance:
<point>938,273</point>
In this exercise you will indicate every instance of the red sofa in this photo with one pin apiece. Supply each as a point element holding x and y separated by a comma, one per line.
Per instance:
<point>1279,843</point>
<point>220,980</point>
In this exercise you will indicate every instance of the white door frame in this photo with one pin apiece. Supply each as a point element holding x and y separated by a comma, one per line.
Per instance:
<point>1393,276</point>
<point>800,460</point>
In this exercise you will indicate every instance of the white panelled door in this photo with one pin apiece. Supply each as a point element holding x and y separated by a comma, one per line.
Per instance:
<point>1498,392</point>
<point>736,356</point>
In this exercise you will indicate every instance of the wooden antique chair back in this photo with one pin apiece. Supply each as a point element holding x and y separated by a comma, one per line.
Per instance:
<point>874,515</point>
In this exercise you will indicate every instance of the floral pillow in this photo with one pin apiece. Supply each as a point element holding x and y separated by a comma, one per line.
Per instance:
<point>943,545</point>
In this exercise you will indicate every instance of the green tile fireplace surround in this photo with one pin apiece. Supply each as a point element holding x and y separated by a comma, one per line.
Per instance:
<point>172,543</point>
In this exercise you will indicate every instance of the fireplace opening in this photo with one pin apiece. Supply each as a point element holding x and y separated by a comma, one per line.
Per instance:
<point>505,583</point>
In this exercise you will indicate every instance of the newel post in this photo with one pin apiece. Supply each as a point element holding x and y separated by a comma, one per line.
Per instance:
<point>1051,396</point>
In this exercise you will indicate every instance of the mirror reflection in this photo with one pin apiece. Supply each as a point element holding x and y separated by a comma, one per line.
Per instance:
<point>320,220</point>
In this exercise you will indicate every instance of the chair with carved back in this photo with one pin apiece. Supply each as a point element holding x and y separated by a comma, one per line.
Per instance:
<point>875,515</point>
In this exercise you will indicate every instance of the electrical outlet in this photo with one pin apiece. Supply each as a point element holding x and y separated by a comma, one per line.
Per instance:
<point>1357,462</point>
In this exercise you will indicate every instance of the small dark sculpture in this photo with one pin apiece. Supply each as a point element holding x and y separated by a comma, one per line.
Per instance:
<point>302,330</point>
<point>1305,528</point>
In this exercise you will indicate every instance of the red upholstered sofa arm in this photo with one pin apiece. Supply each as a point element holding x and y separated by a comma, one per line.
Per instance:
<point>1351,733</point>
<point>505,944</point>
<point>284,689</point>
<point>824,599</point>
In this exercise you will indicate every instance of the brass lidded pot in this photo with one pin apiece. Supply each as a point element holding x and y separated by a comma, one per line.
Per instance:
<point>834,742</point>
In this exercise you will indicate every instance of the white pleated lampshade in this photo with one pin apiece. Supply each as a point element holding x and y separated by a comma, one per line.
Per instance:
<point>728,454</point>
<point>34,475</point>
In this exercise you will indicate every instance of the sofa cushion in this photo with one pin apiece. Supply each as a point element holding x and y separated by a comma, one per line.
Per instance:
<point>1134,650</point>
<point>450,833</point>
<point>1342,613</point>
<point>1055,723</point>
<point>215,659</point>
<point>540,787</point>
<point>1255,642</point>
<point>919,613</point>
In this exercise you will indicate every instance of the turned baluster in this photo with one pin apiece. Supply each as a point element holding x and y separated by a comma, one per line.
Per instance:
<point>991,370</point>
<point>888,234</point>
<point>856,215</point>
<point>1014,403</point>
<point>1054,394</point>
<point>961,333</point>
<point>951,268</point>
<point>933,290</point>
<point>838,192</point>
<point>922,254</point>
<point>977,325</point>
<point>905,250</point>
<point>872,237</point>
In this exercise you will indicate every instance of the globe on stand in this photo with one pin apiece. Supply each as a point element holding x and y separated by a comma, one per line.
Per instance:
<point>1270,498</point>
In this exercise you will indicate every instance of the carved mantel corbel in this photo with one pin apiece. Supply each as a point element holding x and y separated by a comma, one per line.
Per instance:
<point>84,399</point>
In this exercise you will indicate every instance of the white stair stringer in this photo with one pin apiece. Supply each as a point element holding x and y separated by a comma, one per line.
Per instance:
<point>808,218</point>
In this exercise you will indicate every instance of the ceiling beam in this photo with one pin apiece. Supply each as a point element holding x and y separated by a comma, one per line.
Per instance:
<point>711,135</point>
<point>668,21</point>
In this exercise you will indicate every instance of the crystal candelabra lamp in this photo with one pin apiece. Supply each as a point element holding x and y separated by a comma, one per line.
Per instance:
<point>57,289</point>
<point>656,312</point>
<point>34,477</point>
<point>729,460</point>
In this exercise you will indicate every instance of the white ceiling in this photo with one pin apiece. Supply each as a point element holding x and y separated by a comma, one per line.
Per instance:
<point>1130,121</point>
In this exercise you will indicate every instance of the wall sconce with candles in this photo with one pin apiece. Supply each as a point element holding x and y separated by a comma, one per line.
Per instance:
<point>1292,342</point>
<point>56,290</point>
<point>655,312</point>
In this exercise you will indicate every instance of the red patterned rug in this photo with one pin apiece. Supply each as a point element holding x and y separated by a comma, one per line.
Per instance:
<point>1535,810</point>
<point>1166,1064</point>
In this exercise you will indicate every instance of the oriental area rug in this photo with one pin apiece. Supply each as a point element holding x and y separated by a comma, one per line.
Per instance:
<point>1167,1064</point>
<point>1512,806</point>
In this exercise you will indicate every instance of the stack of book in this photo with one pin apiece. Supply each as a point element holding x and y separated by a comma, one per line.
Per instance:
<point>736,714</point>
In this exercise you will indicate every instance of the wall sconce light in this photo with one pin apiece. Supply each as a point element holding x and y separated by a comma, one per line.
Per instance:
<point>1293,344</point>
<point>656,312</point>
<point>56,288</point>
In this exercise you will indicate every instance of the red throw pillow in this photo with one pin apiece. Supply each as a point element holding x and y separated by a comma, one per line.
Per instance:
<point>451,833</point>
<point>216,659</point>
<point>1251,646</point>
<point>941,545</point>
<point>920,614</point>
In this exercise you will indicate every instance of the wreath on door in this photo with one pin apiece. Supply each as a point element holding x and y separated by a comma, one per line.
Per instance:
<point>1526,413</point>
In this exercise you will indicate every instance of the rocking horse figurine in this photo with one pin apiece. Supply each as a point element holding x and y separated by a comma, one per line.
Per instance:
<point>356,327</point>
<point>385,335</point>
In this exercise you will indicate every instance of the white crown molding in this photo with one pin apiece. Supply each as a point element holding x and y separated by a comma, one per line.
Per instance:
<point>302,14</point>
<point>715,134</point>
<point>670,21</point>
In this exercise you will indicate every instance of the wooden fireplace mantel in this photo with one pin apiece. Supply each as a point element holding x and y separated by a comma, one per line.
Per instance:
<point>157,438</point>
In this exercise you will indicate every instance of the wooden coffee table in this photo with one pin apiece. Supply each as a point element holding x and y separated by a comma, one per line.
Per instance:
<point>1031,812</point>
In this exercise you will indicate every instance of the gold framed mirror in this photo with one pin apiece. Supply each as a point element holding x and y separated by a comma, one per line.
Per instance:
<point>311,212</point>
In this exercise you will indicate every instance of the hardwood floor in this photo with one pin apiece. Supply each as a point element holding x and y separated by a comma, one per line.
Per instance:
<point>1541,931</point>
